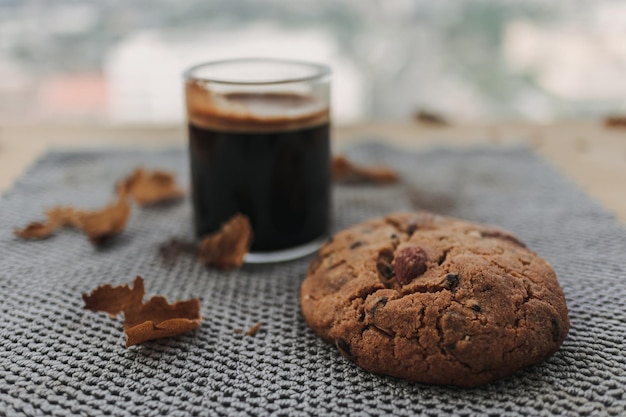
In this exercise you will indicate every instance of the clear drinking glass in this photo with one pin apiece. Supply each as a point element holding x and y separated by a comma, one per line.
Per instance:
<point>259,144</point>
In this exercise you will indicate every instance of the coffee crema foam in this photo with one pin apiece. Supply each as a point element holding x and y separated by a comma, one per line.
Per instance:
<point>253,112</point>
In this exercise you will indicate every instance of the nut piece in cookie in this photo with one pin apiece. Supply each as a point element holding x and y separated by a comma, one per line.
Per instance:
<point>410,264</point>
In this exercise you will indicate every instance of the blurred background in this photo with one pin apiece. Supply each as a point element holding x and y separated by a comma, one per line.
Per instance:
<point>120,62</point>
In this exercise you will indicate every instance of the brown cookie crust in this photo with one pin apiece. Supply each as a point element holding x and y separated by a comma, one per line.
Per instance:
<point>435,300</point>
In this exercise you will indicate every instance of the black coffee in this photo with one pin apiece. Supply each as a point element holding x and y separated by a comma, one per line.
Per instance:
<point>279,178</point>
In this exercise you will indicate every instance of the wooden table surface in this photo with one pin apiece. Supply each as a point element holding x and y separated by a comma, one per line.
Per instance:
<point>590,154</point>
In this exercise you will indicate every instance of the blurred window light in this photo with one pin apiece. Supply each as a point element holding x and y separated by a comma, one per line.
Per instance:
<point>144,72</point>
<point>121,62</point>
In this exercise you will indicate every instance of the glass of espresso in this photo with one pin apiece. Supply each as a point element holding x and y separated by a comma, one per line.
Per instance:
<point>259,145</point>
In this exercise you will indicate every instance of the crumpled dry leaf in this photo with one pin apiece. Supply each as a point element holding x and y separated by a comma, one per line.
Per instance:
<point>154,319</point>
<point>114,300</point>
<point>431,118</point>
<point>616,121</point>
<point>345,171</point>
<point>227,247</point>
<point>100,225</point>
<point>152,187</point>
<point>55,218</point>
<point>36,230</point>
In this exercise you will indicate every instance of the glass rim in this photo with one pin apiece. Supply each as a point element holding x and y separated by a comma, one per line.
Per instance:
<point>321,71</point>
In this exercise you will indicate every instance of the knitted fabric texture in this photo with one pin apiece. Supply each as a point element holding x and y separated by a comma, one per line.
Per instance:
<point>59,359</point>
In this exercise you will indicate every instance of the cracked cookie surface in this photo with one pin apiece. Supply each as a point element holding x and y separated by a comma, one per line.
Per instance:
<point>434,299</point>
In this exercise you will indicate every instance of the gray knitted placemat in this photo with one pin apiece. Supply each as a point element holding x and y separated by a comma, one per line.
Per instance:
<point>58,359</point>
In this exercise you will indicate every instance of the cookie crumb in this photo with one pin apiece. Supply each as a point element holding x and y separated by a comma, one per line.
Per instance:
<point>254,329</point>
<point>227,247</point>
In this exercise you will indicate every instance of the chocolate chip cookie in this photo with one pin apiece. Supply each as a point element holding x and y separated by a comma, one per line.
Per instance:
<point>435,300</point>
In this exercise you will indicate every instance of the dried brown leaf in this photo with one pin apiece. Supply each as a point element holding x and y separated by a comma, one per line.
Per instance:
<point>157,319</point>
<point>154,319</point>
<point>227,247</point>
<point>56,218</point>
<point>36,230</point>
<point>345,171</point>
<point>431,118</point>
<point>152,187</point>
<point>114,300</point>
<point>100,225</point>
<point>617,121</point>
